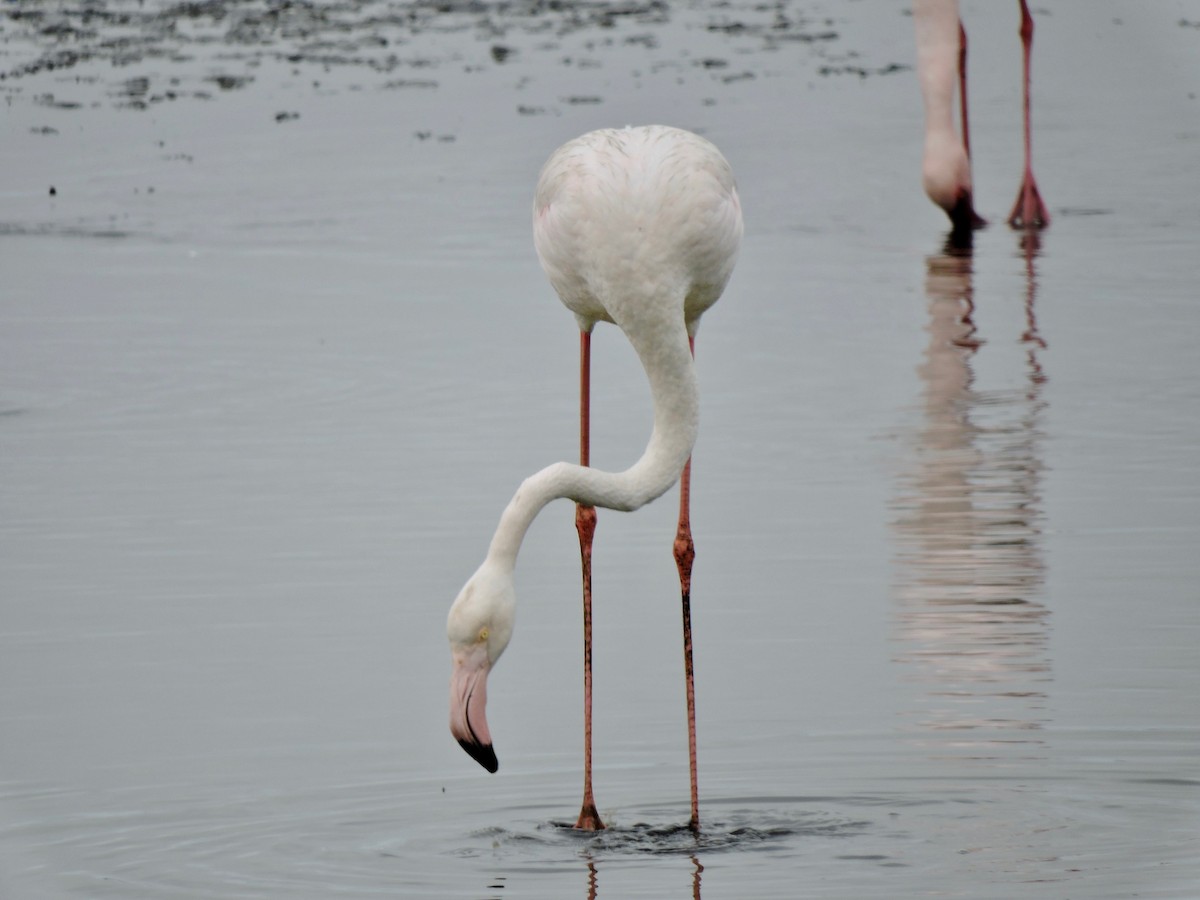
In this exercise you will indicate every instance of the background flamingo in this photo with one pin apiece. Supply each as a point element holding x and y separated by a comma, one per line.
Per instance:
<point>639,227</point>
<point>946,163</point>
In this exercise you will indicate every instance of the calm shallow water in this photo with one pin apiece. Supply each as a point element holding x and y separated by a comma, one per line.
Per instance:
<point>276,351</point>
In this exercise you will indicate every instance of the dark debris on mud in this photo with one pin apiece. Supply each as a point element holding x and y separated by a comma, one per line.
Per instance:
<point>383,40</point>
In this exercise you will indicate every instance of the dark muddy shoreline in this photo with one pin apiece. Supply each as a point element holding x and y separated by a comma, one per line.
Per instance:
<point>136,55</point>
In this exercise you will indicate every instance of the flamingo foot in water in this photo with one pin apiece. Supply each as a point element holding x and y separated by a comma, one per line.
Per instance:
<point>589,819</point>
<point>1029,211</point>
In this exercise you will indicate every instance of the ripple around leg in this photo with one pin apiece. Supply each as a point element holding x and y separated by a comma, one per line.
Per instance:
<point>748,825</point>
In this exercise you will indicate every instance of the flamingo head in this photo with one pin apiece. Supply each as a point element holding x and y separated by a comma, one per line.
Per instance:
<point>946,177</point>
<point>479,627</point>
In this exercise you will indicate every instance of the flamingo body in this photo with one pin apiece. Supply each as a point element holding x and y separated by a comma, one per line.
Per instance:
<point>637,224</point>
<point>639,227</point>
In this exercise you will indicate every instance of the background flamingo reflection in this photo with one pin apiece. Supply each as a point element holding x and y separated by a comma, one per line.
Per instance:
<point>970,622</point>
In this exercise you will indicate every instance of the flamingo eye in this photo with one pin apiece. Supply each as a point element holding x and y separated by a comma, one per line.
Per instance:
<point>483,634</point>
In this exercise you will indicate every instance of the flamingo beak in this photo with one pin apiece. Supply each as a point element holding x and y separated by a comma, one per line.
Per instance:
<point>964,221</point>
<point>468,699</point>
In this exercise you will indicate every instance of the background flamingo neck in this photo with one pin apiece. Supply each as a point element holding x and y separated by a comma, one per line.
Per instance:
<point>937,32</point>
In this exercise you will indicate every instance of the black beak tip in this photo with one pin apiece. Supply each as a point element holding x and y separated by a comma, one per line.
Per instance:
<point>482,754</point>
<point>964,222</point>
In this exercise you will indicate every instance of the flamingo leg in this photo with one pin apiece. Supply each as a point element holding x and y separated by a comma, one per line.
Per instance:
<point>1029,211</point>
<point>962,88</point>
<point>685,554</point>
<point>970,220</point>
<point>585,524</point>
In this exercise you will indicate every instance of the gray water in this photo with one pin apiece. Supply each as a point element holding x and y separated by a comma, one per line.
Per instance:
<point>275,351</point>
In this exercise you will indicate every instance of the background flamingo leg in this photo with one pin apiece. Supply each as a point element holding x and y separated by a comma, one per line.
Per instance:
<point>964,119</point>
<point>1028,211</point>
<point>968,220</point>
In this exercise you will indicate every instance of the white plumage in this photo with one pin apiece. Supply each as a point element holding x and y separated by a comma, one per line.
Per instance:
<point>639,227</point>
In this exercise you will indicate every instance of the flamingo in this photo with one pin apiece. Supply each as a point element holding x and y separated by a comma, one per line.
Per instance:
<point>639,227</point>
<point>946,164</point>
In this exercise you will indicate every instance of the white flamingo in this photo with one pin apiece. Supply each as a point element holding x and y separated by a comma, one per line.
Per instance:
<point>946,164</point>
<point>639,227</point>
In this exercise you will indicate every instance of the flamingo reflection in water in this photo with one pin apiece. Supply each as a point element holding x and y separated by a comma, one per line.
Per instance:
<point>970,569</point>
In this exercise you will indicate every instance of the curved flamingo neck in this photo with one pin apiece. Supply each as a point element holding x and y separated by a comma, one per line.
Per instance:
<point>665,355</point>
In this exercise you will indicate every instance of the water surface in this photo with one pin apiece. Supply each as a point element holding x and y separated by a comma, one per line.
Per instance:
<point>275,351</point>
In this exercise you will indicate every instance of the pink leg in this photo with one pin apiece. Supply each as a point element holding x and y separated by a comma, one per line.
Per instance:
<point>962,88</point>
<point>585,524</point>
<point>968,220</point>
<point>685,553</point>
<point>1029,211</point>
